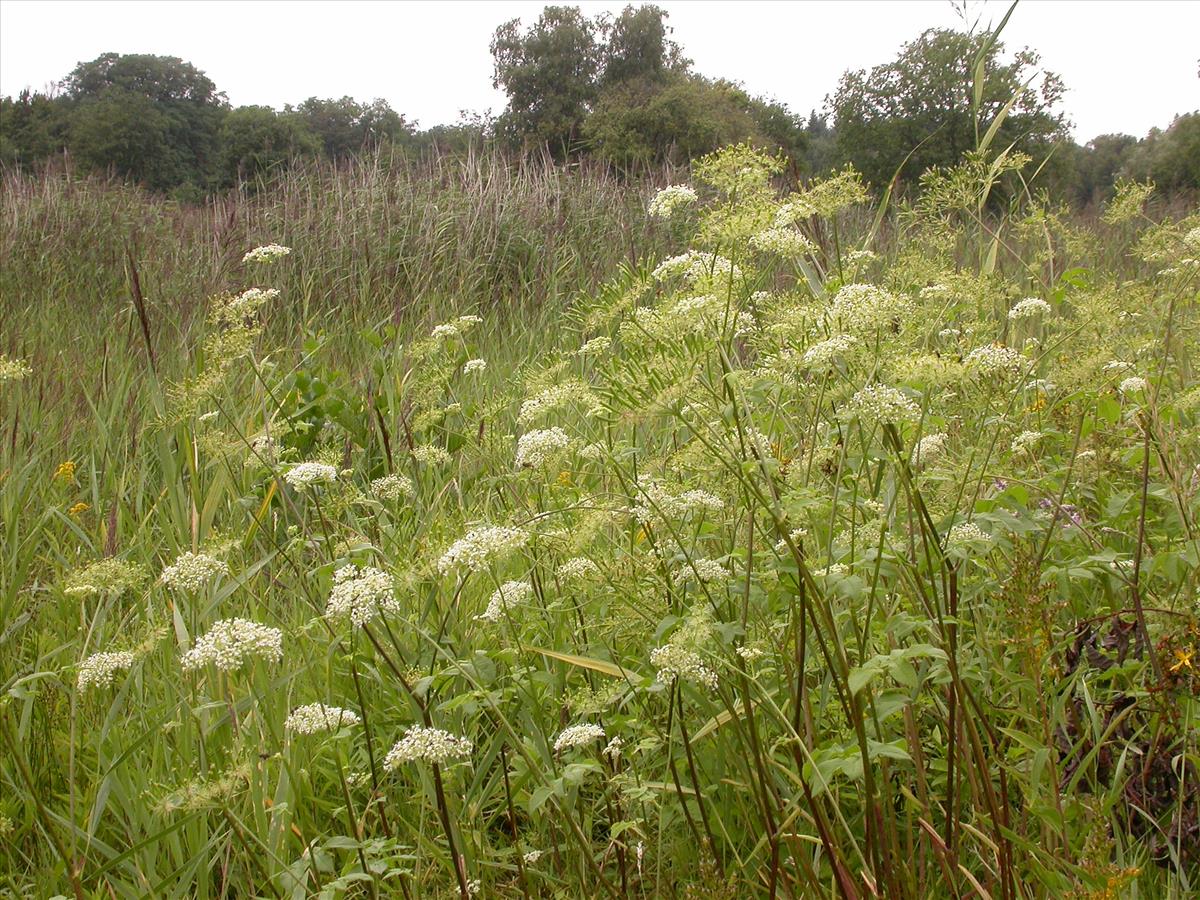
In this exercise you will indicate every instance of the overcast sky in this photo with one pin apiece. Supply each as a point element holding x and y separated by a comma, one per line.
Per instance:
<point>1128,64</point>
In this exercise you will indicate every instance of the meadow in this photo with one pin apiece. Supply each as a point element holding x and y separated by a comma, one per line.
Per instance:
<point>485,528</point>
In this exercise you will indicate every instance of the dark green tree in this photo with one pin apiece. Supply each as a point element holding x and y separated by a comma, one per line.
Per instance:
<point>1170,157</point>
<point>922,102</point>
<point>549,73</point>
<point>256,140</point>
<point>345,127</point>
<point>636,46</point>
<point>33,127</point>
<point>151,118</point>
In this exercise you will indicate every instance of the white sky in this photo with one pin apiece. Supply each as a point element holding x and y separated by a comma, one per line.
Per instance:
<point>1128,64</point>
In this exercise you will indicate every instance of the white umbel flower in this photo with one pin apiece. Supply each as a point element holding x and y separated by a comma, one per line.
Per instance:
<point>428,745</point>
<point>578,736</point>
<point>703,570</point>
<point>994,361</point>
<point>883,404</point>
<point>250,301</point>
<point>1134,384</point>
<point>480,546</point>
<point>782,241</point>
<point>392,487</point>
<point>1029,308</point>
<point>508,594</point>
<point>361,595</point>
<point>306,474</point>
<point>99,669</point>
<point>967,534</point>
<point>928,450</point>
<point>1025,441</point>
<point>231,643</point>
<point>578,569</point>
<point>538,447</point>
<point>12,369</point>
<point>671,199</point>
<point>471,366</point>
<point>673,661</point>
<point>192,571</point>
<point>822,355</point>
<point>317,717</point>
<point>267,254</point>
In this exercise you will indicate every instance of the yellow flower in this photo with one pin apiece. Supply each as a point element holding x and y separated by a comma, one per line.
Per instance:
<point>1183,659</point>
<point>65,471</point>
<point>564,478</point>
<point>78,509</point>
<point>1038,404</point>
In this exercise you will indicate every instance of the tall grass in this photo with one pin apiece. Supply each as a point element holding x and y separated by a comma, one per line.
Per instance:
<point>882,586</point>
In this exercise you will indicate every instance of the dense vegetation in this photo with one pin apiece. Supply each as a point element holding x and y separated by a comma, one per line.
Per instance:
<point>476,525</point>
<point>614,89</point>
<point>770,544</point>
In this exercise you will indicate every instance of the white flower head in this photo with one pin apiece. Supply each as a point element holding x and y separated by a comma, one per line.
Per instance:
<point>821,355</point>
<point>480,546</point>
<point>675,661</point>
<point>361,595</point>
<point>267,254</point>
<point>1025,441</point>
<point>392,487</point>
<point>928,450</point>
<point>100,669</point>
<point>968,535</point>
<point>231,643</point>
<point>473,366</point>
<point>317,717</point>
<point>13,369</point>
<point>192,571</point>
<point>578,736</point>
<point>703,570</point>
<point>578,569</point>
<point>671,199</point>
<point>1029,308</point>
<point>307,474</point>
<point>1134,384</point>
<point>782,241</point>
<point>883,404</point>
<point>434,745</point>
<point>508,594</point>
<point>540,446</point>
<point>995,361</point>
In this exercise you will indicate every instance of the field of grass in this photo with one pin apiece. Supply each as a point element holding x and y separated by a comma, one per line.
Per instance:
<point>522,533</point>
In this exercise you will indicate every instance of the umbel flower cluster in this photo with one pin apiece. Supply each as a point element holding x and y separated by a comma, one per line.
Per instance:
<point>108,576</point>
<point>231,643</point>
<point>316,718</point>
<point>267,254</point>
<point>538,447</point>
<point>309,474</point>
<point>578,736</point>
<point>99,669</point>
<point>192,571</point>
<point>508,594</point>
<point>424,744</point>
<point>480,546</point>
<point>361,594</point>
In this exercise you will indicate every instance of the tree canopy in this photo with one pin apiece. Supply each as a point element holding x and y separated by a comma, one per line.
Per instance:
<point>618,88</point>
<point>921,106</point>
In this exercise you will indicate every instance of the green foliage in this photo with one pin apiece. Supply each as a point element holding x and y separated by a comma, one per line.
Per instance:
<point>154,119</point>
<point>347,127</point>
<point>922,104</point>
<point>549,73</point>
<point>256,140</point>
<point>791,547</point>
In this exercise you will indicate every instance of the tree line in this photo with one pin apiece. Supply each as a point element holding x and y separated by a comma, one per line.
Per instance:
<point>617,89</point>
